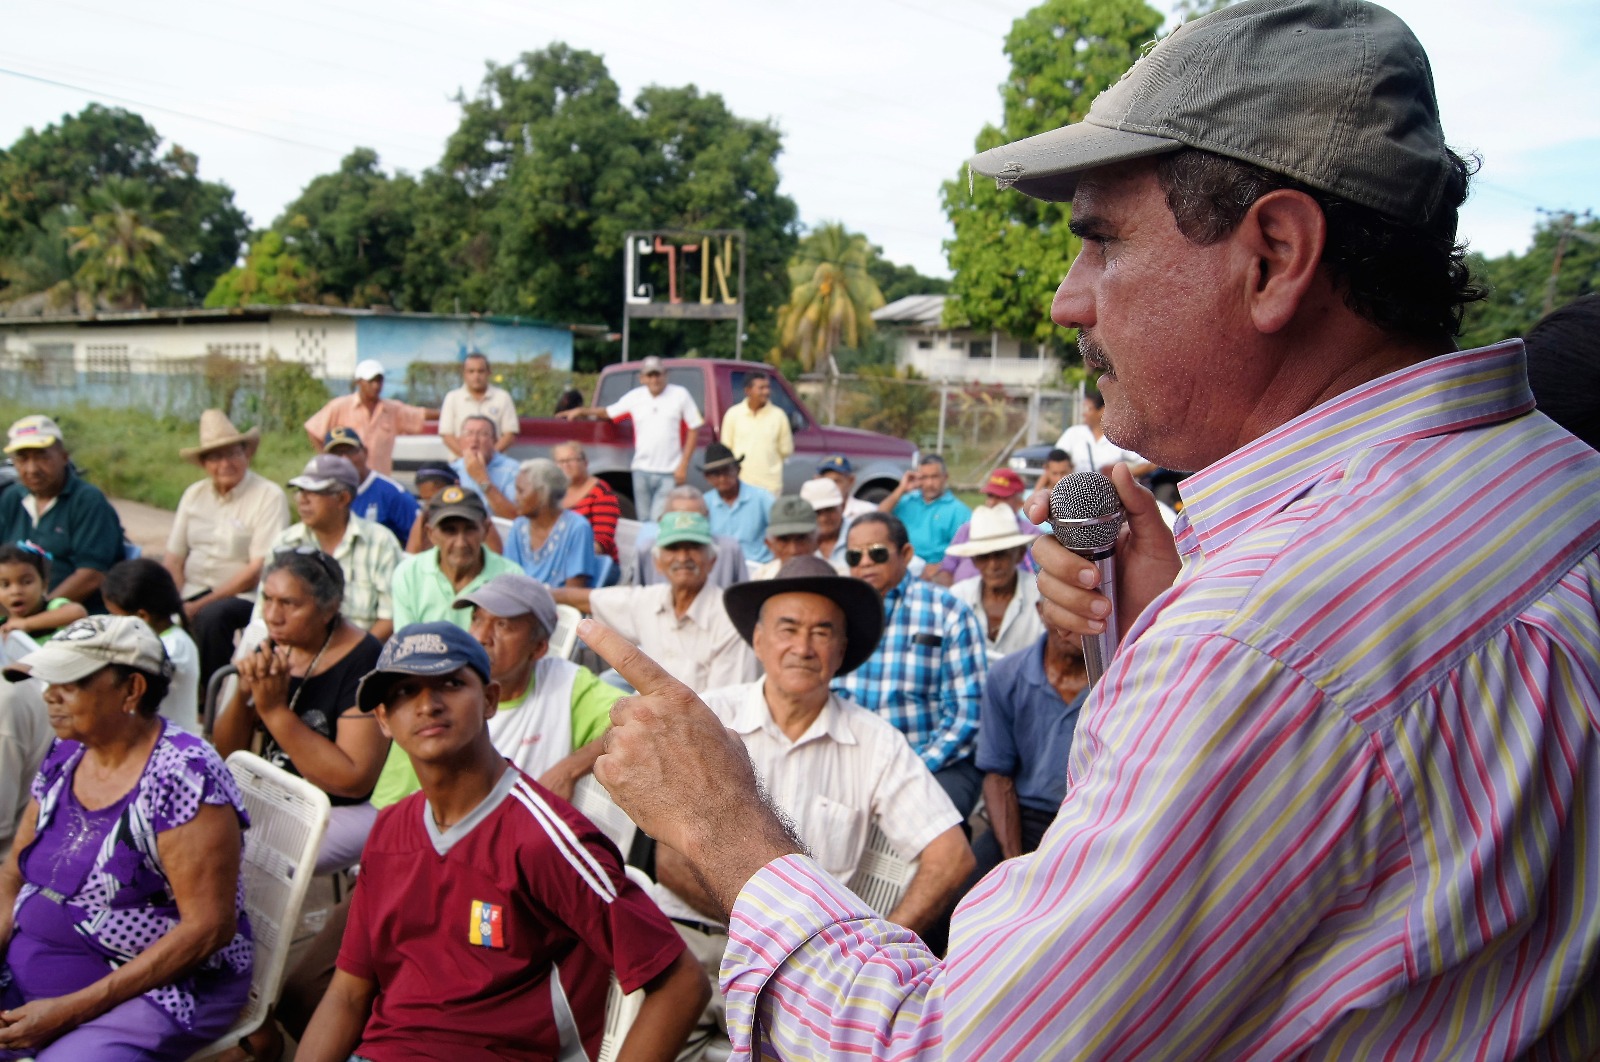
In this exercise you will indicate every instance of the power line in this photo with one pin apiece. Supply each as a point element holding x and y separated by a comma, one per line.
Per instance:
<point>170,110</point>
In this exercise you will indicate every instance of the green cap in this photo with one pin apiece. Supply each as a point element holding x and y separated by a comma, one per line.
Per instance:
<point>678,528</point>
<point>1336,94</point>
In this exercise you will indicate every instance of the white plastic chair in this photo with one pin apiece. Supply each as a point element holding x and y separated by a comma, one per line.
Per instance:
<point>882,876</point>
<point>622,1010</point>
<point>17,645</point>
<point>591,798</point>
<point>564,639</point>
<point>288,816</point>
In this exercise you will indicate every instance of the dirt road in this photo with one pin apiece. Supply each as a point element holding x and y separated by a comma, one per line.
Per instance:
<point>145,525</point>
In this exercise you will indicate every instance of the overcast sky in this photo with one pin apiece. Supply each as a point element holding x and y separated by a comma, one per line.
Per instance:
<point>878,100</point>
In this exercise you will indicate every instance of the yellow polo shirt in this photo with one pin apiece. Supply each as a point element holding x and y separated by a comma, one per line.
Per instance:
<point>761,440</point>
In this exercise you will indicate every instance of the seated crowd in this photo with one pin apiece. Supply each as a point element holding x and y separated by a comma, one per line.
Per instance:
<point>884,663</point>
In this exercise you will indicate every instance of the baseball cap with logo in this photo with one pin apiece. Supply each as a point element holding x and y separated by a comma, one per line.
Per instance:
<point>514,594</point>
<point>678,528</point>
<point>326,473</point>
<point>436,648</point>
<point>1004,483</point>
<point>456,501</point>
<point>837,463</point>
<point>369,369</point>
<point>84,647</point>
<point>342,437</point>
<point>791,515</point>
<point>1336,94</point>
<point>35,432</point>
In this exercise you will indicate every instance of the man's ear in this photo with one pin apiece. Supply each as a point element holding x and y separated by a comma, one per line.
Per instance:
<point>491,696</point>
<point>382,712</point>
<point>1284,233</point>
<point>907,552</point>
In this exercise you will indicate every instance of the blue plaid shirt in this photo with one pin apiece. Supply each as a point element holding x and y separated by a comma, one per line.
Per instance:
<point>927,674</point>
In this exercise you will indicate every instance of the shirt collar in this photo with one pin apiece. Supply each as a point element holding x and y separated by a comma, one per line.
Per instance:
<point>752,715</point>
<point>702,610</point>
<point>1435,397</point>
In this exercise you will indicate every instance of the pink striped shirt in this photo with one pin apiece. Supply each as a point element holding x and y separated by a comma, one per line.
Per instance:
<point>1337,797</point>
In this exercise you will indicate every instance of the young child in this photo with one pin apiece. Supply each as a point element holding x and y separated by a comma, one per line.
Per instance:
<point>24,568</point>
<point>145,589</point>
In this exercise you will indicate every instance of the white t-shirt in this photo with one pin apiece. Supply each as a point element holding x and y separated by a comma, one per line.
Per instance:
<point>1090,454</point>
<point>657,445</point>
<point>181,705</point>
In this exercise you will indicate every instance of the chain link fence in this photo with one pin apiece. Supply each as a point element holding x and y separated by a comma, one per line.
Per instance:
<point>974,426</point>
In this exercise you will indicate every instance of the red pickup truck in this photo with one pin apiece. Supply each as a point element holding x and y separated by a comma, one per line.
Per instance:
<point>879,460</point>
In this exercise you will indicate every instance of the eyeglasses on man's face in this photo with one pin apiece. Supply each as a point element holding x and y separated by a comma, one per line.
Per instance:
<point>876,554</point>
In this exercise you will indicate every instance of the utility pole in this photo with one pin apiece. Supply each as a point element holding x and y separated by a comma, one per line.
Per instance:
<point>1568,223</point>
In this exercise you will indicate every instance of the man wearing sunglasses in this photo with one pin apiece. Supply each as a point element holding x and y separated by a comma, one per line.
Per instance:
<point>926,676</point>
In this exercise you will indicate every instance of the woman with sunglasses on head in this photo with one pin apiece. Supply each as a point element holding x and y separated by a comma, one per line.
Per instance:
<point>299,688</point>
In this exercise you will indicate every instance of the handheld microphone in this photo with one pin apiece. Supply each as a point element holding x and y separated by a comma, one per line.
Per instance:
<point>1085,517</point>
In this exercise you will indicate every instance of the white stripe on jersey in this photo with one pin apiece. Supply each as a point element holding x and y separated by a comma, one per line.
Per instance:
<point>566,842</point>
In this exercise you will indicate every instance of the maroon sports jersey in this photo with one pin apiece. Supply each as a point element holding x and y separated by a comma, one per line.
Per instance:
<point>503,946</point>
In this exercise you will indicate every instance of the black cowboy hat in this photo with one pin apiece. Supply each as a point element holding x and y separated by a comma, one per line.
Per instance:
<point>862,607</point>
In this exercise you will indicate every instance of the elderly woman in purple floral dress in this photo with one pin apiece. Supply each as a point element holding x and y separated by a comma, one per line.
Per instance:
<point>122,924</point>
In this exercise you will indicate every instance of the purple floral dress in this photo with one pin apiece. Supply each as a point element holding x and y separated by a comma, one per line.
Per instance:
<point>95,895</point>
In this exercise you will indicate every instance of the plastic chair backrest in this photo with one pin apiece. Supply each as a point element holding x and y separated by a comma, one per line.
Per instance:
<point>288,816</point>
<point>218,690</point>
<point>622,1010</point>
<point>627,553</point>
<point>17,645</point>
<point>591,798</point>
<point>564,639</point>
<point>881,876</point>
<point>502,525</point>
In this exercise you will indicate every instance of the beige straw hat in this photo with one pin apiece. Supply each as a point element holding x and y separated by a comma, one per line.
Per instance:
<point>217,431</point>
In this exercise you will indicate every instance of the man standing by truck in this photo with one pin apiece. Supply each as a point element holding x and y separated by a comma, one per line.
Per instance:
<point>759,433</point>
<point>660,411</point>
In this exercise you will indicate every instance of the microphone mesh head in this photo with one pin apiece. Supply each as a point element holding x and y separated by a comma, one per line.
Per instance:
<point>1085,496</point>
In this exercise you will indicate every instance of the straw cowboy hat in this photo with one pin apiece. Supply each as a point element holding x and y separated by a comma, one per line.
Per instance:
<point>216,432</point>
<point>994,528</point>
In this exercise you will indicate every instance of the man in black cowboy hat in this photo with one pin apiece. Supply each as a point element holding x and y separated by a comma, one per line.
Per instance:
<point>736,508</point>
<point>834,768</point>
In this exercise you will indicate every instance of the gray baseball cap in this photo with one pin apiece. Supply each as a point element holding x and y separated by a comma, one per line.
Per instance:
<point>328,472</point>
<point>1336,94</point>
<point>791,515</point>
<point>514,594</point>
<point>80,649</point>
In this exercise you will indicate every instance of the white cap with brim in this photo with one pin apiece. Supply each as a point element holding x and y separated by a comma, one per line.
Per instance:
<point>82,648</point>
<point>370,369</point>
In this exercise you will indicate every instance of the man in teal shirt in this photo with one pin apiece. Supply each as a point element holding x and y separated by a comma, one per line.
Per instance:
<point>931,513</point>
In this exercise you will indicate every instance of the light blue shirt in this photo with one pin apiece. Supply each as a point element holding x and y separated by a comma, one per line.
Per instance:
<point>932,526</point>
<point>568,551</point>
<point>745,520</point>
<point>502,473</point>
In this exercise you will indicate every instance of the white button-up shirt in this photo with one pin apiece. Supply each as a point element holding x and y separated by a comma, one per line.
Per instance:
<point>701,648</point>
<point>1020,627</point>
<point>849,770</point>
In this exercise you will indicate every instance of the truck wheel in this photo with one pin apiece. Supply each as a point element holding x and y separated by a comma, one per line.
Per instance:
<point>874,492</point>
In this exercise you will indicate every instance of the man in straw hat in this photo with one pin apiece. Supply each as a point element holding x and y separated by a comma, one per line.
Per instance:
<point>1001,594</point>
<point>835,769</point>
<point>224,528</point>
<point>56,510</point>
<point>1334,795</point>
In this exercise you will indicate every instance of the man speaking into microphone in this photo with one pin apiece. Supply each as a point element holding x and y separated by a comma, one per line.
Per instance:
<point>1336,794</point>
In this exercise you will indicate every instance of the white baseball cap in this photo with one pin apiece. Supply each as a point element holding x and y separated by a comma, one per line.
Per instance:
<point>369,369</point>
<point>822,493</point>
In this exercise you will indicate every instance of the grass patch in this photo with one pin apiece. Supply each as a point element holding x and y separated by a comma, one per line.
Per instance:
<point>132,454</point>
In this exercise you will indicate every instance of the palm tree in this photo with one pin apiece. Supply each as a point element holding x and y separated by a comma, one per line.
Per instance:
<point>123,253</point>
<point>831,297</point>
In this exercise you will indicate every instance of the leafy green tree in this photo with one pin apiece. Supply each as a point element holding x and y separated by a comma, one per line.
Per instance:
<point>831,299</point>
<point>1010,252</point>
<point>272,275</point>
<point>121,250</point>
<point>897,281</point>
<point>1520,284</point>
<point>40,267</point>
<point>352,229</point>
<point>58,166</point>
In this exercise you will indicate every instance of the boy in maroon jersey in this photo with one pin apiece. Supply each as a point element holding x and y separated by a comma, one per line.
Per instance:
<point>489,913</point>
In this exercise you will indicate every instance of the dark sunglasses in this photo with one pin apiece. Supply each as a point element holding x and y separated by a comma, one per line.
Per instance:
<point>878,555</point>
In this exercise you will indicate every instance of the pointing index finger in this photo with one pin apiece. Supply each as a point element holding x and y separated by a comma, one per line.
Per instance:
<point>642,673</point>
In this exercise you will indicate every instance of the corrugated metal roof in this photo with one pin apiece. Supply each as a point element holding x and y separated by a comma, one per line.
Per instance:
<point>925,310</point>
